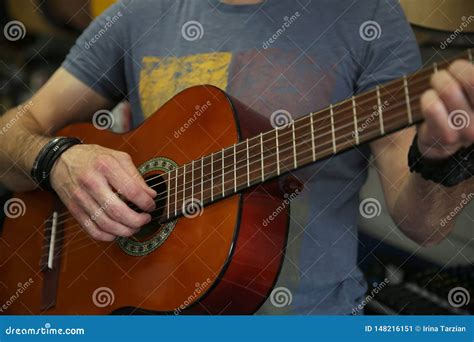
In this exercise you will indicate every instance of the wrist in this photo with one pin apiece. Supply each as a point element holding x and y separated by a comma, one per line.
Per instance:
<point>47,159</point>
<point>448,171</point>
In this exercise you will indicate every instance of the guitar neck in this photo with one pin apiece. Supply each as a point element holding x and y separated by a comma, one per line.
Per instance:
<point>295,144</point>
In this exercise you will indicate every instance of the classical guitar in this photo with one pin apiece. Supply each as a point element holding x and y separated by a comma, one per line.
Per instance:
<point>214,163</point>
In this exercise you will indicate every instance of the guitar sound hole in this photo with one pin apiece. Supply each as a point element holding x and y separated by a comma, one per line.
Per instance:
<point>157,183</point>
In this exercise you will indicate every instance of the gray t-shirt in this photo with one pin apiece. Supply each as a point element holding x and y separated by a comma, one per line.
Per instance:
<point>296,56</point>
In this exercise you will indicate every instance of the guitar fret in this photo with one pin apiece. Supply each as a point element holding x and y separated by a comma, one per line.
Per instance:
<point>295,162</point>
<point>312,137</point>
<point>202,180</point>
<point>184,184</point>
<point>380,111</point>
<point>407,99</point>
<point>223,191</point>
<point>176,192</point>
<point>235,168</point>
<point>168,185</point>
<point>277,151</point>
<point>261,157</point>
<point>192,180</point>
<point>356,129</point>
<point>334,148</point>
<point>270,146</point>
<point>248,163</point>
<point>212,177</point>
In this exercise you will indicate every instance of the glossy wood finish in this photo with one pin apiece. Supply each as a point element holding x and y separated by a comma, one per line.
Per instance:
<point>223,261</point>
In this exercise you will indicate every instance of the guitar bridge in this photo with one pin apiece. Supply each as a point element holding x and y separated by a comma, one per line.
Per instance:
<point>51,257</point>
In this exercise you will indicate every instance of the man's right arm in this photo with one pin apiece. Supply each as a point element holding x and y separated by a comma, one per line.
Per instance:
<point>26,129</point>
<point>85,175</point>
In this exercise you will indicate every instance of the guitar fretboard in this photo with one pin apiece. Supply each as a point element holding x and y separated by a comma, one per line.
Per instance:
<point>342,126</point>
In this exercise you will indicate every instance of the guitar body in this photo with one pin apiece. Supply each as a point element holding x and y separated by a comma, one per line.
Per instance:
<point>223,261</point>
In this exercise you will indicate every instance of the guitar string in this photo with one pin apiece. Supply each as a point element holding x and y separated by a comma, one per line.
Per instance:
<point>323,128</point>
<point>76,243</point>
<point>258,157</point>
<point>287,158</point>
<point>384,86</point>
<point>415,75</point>
<point>393,124</point>
<point>348,122</point>
<point>258,160</point>
<point>337,114</point>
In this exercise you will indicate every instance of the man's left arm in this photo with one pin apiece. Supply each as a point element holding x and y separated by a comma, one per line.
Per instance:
<point>420,207</point>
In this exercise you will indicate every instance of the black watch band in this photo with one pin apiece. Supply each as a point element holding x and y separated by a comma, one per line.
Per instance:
<point>448,172</point>
<point>47,157</point>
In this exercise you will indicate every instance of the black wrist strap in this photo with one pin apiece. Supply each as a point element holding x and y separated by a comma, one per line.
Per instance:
<point>47,157</point>
<point>448,172</point>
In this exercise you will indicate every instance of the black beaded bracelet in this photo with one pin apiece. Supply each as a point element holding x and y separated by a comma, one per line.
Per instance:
<point>448,172</point>
<point>47,157</point>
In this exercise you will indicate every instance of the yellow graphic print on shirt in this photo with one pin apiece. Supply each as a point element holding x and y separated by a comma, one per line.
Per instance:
<point>163,77</point>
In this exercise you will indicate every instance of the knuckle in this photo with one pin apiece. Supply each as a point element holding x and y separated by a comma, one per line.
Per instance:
<point>102,164</point>
<point>127,233</point>
<point>429,102</point>
<point>457,65</point>
<point>448,138</point>
<point>107,226</point>
<point>133,191</point>
<point>116,212</point>
<point>137,223</point>
<point>451,90</point>
<point>124,156</point>
<point>87,180</point>
<point>437,78</point>
<point>96,235</point>
<point>76,194</point>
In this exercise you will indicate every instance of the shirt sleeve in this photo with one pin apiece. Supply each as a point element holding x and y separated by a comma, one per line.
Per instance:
<point>391,50</point>
<point>97,57</point>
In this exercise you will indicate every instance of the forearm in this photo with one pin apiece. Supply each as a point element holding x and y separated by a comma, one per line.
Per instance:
<point>426,211</point>
<point>21,139</point>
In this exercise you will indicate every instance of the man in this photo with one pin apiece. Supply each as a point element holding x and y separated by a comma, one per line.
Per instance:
<point>296,56</point>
